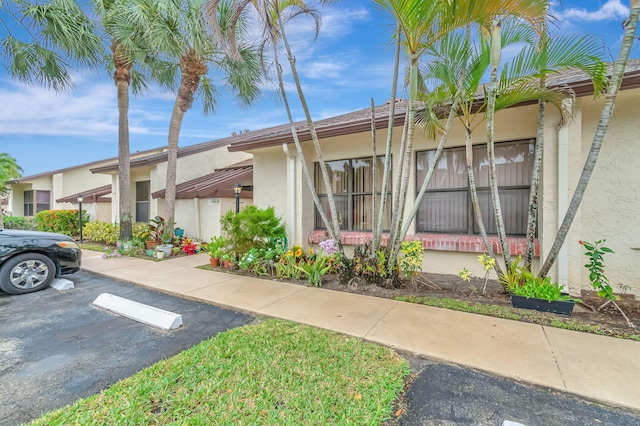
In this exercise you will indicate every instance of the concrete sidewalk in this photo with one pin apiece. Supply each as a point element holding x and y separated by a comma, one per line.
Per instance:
<point>596,367</point>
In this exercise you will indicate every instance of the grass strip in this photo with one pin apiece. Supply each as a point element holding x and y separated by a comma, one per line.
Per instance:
<point>506,312</point>
<point>272,373</point>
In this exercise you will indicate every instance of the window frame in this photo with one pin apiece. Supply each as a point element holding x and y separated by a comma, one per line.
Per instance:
<point>470,217</point>
<point>32,208</point>
<point>350,194</point>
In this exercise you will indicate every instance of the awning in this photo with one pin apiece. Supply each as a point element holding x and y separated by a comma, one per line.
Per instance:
<point>95,195</point>
<point>218,184</point>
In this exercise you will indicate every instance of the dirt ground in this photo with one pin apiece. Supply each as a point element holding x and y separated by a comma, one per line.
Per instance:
<point>606,321</point>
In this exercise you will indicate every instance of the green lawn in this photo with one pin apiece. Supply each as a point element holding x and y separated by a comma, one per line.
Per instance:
<point>271,373</point>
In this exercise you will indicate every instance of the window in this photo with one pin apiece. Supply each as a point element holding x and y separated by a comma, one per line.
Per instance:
<point>143,189</point>
<point>40,199</point>
<point>446,207</point>
<point>352,185</point>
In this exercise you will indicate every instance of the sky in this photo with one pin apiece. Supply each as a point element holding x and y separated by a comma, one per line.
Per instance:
<point>348,64</point>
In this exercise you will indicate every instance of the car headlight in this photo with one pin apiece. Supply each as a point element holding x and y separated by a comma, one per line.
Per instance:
<point>68,244</point>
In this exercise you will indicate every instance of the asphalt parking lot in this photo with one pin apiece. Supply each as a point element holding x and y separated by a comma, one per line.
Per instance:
<point>444,394</point>
<point>55,347</point>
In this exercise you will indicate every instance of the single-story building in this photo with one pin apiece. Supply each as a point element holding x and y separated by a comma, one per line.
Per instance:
<point>206,173</point>
<point>610,209</point>
<point>59,189</point>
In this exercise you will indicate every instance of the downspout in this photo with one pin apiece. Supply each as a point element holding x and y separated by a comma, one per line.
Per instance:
<point>563,196</point>
<point>291,193</point>
<point>196,206</point>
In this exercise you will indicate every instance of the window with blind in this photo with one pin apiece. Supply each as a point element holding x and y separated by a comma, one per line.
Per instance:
<point>36,202</point>
<point>446,206</point>
<point>352,185</point>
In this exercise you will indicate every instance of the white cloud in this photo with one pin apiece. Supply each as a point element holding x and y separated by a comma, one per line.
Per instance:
<point>90,110</point>
<point>612,9</point>
<point>325,68</point>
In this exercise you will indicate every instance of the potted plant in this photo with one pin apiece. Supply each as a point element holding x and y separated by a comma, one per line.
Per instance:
<point>228,260</point>
<point>156,228</point>
<point>166,242</point>
<point>215,248</point>
<point>530,292</point>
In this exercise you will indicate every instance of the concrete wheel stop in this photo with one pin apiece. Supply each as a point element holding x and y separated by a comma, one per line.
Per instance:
<point>140,312</point>
<point>61,284</point>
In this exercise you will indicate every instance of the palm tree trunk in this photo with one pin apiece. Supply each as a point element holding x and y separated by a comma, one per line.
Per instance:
<point>395,214</point>
<point>377,235</point>
<point>532,216</point>
<point>425,183</point>
<point>305,170</point>
<point>491,103</point>
<point>122,78</point>
<point>607,110</point>
<point>374,167</point>
<point>314,135</point>
<point>192,68</point>
<point>474,197</point>
<point>395,238</point>
<point>172,164</point>
<point>124,163</point>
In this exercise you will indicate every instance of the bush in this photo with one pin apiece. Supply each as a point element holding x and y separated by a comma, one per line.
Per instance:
<point>101,232</point>
<point>20,222</point>
<point>61,221</point>
<point>109,233</point>
<point>252,227</point>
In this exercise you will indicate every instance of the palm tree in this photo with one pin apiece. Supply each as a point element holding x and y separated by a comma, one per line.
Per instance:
<point>127,50</point>
<point>176,33</point>
<point>9,169</point>
<point>617,72</point>
<point>421,24</point>
<point>458,68</point>
<point>61,35</point>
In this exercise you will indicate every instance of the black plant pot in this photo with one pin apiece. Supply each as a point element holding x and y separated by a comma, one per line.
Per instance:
<point>562,307</point>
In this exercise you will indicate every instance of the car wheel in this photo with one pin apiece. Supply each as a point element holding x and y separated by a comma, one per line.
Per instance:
<point>26,273</point>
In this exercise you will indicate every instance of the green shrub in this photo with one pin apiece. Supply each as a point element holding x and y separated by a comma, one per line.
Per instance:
<point>101,232</point>
<point>61,221</point>
<point>20,222</point>
<point>252,227</point>
<point>109,233</point>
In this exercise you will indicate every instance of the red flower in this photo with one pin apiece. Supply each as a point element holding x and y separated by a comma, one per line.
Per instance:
<point>580,242</point>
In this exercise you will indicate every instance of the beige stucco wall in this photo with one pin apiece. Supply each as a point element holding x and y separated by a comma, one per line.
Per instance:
<point>611,206</point>
<point>610,209</point>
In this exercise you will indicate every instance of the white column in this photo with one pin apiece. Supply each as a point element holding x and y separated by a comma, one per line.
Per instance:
<point>563,194</point>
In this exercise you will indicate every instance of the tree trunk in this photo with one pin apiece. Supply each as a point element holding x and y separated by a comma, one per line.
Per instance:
<point>617,74</point>
<point>122,78</point>
<point>474,197</point>
<point>314,137</point>
<point>192,69</point>
<point>532,216</point>
<point>377,235</point>
<point>374,167</point>
<point>395,238</point>
<point>172,166</point>
<point>425,183</point>
<point>305,170</point>
<point>491,103</point>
